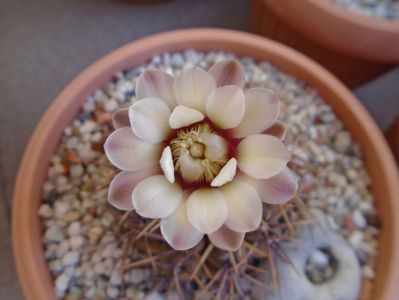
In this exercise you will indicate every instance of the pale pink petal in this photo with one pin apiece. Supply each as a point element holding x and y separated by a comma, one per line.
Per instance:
<point>228,72</point>
<point>226,174</point>
<point>262,107</point>
<point>158,84</point>
<point>226,106</point>
<point>127,152</point>
<point>192,88</point>
<point>206,209</point>
<point>262,156</point>
<point>191,168</point>
<point>279,129</point>
<point>215,145</point>
<point>155,197</point>
<point>166,163</point>
<point>279,188</point>
<point>227,239</point>
<point>244,206</point>
<point>178,231</point>
<point>120,118</point>
<point>121,187</point>
<point>183,116</point>
<point>150,120</point>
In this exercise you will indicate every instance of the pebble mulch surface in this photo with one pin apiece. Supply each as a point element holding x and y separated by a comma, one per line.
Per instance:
<point>80,235</point>
<point>386,9</point>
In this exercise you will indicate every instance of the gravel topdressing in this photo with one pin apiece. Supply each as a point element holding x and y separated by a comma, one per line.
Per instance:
<point>386,9</point>
<point>81,237</point>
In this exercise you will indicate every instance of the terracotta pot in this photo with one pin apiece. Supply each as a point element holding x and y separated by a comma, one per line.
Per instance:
<point>32,269</point>
<point>393,138</point>
<point>355,48</point>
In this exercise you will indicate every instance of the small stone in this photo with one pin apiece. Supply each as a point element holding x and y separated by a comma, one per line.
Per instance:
<point>61,283</point>
<point>76,171</point>
<point>111,105</point>
<point>61,208</point>
<point>133,293</point>
<point>88,126</point>
<point>116,277</point>
<point>138,275</point>
<point>45,211</point>
<point>356,239</point>
<point>74,228</point>
<point>358,219</point>
<point>70,258</point>
<point>112,292</point>
<point>95,233</point>
<point>154,296</point>
<point>76,242</point>
<point>71,216</point>
<point>54,234</point>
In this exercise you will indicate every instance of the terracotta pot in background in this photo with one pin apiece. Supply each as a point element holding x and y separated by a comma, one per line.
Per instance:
<point>32,268</point>
<point>355,48</point>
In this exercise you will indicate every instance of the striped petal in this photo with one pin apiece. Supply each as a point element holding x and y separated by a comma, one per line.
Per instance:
<point>183,116</point>
<point>262,156</point>
<point>121,187</point>
<point>150,120</point>
<point>192,88</point>
<point>158,84</point>
<point>206,209</point>
<point>226,106</point>
<point>279,188</point>
<point>227,239</point>
<point>178,231</point>
<point>228,72</point>
<point>127,152</point>
<point>262,107</point>
<point>155,197</point>
<point>120,118</point>
<point>244,206</point>
<point>279,129</point>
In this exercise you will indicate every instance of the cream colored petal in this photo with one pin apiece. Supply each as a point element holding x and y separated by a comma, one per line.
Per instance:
<point>120,118</point>
<point>227,239</point>
<point>279,188</point>
<point>226,174</point>
<point>262,107</point>
<point>228,72</point>
<point>244,206</point>
<point>191,169</point>
<point>155,197</point>
<point>183,116</point>
<point>192,88</point>
<point>150,119</point>
<point>121,187</point>
<point>226,106</point>
<point>158,84</point>
<point>262,156</point>
<point>279,129</point>
<point>178,231</point>
<point>166,163</point>
<point>206,209</point>
<point>215,146</point>
<point>127,152</point>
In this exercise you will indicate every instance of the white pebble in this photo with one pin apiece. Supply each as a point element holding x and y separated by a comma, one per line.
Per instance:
<point>70,258</point>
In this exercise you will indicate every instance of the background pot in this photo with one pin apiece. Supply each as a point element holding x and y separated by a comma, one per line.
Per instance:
<point>32,269</point>
<point>355,48</point>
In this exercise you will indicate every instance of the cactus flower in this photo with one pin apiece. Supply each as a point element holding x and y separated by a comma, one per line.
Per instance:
<point>201,154</point>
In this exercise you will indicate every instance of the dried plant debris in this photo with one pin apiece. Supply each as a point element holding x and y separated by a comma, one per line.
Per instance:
<point>95,251</point>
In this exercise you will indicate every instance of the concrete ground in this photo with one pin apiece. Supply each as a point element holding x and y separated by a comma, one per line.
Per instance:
<point>45,44</point>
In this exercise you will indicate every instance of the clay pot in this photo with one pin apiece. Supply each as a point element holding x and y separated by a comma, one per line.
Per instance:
<point>355,48</point>
<point>32,269</point>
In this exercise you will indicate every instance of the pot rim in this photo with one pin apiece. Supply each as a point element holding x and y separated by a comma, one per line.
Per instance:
<point>357,19</point>
<point>32,268</point>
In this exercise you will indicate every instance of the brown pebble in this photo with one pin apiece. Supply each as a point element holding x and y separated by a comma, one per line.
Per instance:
<point>72,157</point>
<point>103,118</point>
<point>348,222</point>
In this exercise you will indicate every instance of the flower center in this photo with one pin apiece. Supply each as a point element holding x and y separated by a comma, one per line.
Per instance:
<point>199,153</point>
<point>197,150</point>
